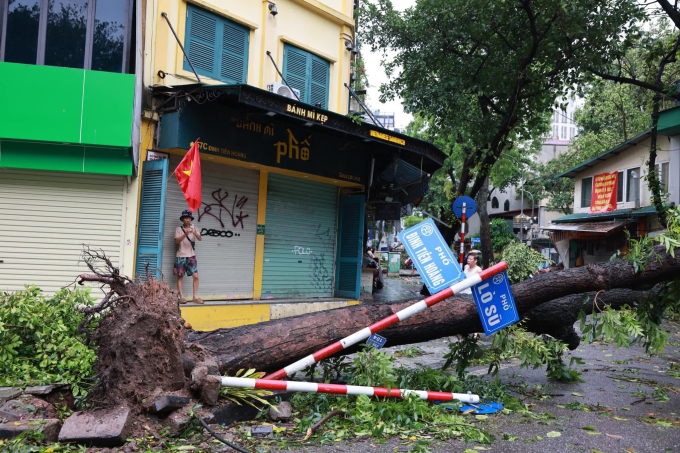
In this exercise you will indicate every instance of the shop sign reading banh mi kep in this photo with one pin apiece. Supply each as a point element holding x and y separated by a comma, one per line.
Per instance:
<point>604,193</point>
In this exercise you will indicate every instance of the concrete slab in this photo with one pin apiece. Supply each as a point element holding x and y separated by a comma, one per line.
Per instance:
<point>8,393</point>
<point>50,428</point>
<point>99,428</point>
<point>169,403</point>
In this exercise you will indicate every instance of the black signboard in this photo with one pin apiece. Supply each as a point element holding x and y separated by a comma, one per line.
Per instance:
<point>383,211</point>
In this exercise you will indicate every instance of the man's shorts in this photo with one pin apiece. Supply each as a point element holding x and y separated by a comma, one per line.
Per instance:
<point>185,265</point>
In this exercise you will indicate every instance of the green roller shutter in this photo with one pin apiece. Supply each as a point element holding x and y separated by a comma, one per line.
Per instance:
<point>299,242</point>
<point>350,239</point>
<point>217,47</point>
<point>308,73</point>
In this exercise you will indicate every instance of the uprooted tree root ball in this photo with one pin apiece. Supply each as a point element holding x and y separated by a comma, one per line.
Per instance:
<point>139,336</point>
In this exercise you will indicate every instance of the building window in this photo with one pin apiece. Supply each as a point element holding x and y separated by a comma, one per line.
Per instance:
<point>662,172</point>
<point>632,184</point>
<point>217,47</point>
<point>84,34</point>
<point>564,132</point>
<point>494,203</point>
<point>619,187</point>
<point>586,191</point>
<point>572,131</point>
<point>308,73</point>
<point>506,205</point>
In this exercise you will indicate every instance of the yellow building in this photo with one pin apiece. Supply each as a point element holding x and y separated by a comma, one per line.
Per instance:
<point>287,177</point>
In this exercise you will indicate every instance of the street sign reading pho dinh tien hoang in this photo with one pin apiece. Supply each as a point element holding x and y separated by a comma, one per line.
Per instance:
<point>431,256</point>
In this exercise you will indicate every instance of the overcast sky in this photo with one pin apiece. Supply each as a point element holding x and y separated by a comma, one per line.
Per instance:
<point>376,77</point>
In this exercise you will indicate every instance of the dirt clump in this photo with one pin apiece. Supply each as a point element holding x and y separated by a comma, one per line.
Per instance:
<point>139,337</point>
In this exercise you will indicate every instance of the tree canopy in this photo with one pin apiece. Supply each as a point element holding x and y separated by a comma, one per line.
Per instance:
<point>484,73</point>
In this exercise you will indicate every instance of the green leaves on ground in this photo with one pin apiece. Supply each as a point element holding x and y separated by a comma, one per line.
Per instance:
<point>39,340</point>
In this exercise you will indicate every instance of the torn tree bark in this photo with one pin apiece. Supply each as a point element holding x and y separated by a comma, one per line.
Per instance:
<point>275,344</point>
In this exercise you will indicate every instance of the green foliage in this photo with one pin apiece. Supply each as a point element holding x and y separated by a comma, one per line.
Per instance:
<point>410,418</point>
<point>501,235</point>
<point>522,261</point>
<point>533,351</point>
<point>412,220</point>
<point>462,352</point>
<point>39,341</point>
<point>244,395</point>
<point>374,368</point>
<point>642,322</point>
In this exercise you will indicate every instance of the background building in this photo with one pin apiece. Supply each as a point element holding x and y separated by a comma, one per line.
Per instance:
<point>70,84</point>
<point>288,178</point>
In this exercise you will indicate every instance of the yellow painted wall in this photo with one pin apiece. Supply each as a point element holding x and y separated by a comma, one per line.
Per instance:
<point>636,156</point>
<point>213,317</point>
<point>220,315</point>
<point>318,27</point>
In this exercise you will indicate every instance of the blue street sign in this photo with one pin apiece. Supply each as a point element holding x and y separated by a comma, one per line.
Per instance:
<point>476,241</point>
<point>470,207</point>
<point>376,341</point>
<point>431,255</point>
<point>495,304</point>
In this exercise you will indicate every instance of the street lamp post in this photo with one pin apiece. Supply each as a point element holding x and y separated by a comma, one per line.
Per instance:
<point>533,205</point>
<point>522,199</point>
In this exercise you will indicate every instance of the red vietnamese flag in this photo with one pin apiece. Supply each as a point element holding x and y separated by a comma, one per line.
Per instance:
<point>188,174</point>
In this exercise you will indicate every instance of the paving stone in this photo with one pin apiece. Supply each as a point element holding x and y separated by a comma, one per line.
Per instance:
<point>283,411</point>
<point>99,428</point>
<point>266,430</point>
<point>8,393</point>
<point>50,428</point>
<point>42,389</point>
<point>169,403</point>
<point>27,407</point>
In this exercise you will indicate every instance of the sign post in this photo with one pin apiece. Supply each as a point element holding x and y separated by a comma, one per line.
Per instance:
<point>463,207</point>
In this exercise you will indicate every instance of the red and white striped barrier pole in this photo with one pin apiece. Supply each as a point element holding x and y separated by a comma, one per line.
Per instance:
<point>339,389</point>
<point>407,312</point>
<point>462,237</point>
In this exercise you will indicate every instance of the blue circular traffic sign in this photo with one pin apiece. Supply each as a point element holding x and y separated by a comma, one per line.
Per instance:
<point>470,207</point>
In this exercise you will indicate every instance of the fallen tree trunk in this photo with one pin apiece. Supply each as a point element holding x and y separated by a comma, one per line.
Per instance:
<point>272,345</point>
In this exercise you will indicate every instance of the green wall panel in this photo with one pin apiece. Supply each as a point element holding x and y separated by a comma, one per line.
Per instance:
<point>37,156</point>
<point>110,161</point>
<point>300,236</point>
<point>64,105</point>
<point>40,102</point>
<point>71,158</point>
<point>107,108</point>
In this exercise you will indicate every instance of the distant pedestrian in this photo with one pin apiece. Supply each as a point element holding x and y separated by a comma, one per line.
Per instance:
<point>185,260</point>
<point>471,268</point>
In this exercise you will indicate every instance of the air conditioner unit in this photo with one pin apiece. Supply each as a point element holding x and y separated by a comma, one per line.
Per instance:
<point>283,90</point>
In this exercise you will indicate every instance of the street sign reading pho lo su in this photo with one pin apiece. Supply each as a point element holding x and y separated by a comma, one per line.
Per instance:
<point>495,303</point>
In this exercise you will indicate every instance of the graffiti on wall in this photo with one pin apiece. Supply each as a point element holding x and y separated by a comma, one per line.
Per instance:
<point>321,270</point>
<point>297,250</point>
<point>219,205</point>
